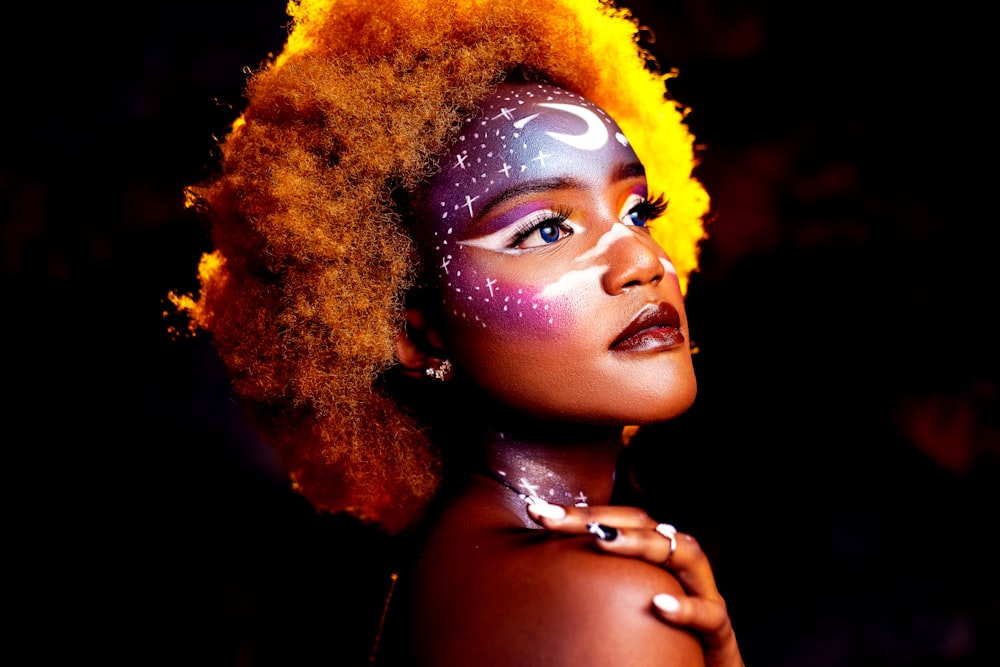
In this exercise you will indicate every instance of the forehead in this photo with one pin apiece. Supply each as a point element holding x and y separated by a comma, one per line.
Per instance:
<point>526,132</point>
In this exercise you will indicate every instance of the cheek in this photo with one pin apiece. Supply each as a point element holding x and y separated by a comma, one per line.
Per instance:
<point>538,309</point>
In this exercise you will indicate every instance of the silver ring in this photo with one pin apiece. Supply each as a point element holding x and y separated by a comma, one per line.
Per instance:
<point>669,532</point>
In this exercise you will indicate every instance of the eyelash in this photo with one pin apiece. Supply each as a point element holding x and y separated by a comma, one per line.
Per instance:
<point>650,209</point>
<point>556,218</point>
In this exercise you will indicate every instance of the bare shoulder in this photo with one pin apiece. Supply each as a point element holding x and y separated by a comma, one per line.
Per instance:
<point>493,595</point>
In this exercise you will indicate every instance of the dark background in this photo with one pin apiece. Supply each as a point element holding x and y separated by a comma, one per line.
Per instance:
<point>840,464</point>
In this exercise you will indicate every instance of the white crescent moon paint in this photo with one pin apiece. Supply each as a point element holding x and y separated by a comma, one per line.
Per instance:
<point>593,139</point>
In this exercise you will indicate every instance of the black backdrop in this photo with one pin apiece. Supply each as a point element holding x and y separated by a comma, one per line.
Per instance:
<point>839,464</point>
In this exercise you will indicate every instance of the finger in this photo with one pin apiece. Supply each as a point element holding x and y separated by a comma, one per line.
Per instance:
<point>691,566</point>
<point>710,619</point>
<point>629,531</point>
<point>683,556</point>
<point>707,616</point>
<point>575,520</point>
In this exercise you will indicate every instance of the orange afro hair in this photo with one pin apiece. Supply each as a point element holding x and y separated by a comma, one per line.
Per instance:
<point>303,294</point>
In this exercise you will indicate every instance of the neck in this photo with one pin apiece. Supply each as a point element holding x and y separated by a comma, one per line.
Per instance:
<point>564,464</point>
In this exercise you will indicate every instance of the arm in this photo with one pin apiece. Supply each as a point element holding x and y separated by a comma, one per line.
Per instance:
<point>489,594</point>
<point>630,532</point>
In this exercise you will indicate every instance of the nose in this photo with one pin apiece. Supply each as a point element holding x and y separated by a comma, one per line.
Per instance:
<point>633,260</point>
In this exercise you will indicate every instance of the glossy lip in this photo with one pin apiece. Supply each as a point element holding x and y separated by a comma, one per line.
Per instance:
<point>653,328</point>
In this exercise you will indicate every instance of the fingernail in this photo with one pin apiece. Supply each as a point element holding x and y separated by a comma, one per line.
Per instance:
<point>666,602</point>
<point>606,533</point>
<point>547,510</point>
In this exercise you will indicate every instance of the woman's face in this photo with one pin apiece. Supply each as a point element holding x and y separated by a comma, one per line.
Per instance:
<point>555,300</point>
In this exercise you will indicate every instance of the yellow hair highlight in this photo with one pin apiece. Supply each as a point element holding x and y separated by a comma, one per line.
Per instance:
<point>635,96</point>
<point>303,293</point>
<point>625,79</point>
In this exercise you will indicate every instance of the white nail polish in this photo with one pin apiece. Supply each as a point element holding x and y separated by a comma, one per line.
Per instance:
<point>548,510</point>
<point>667,603</point>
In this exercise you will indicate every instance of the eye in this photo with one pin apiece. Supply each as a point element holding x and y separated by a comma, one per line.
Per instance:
<point>640,210</point>
<point>549,233</point>
<point>544,234</point>
<point>536,229</point>
<point>542,228</point>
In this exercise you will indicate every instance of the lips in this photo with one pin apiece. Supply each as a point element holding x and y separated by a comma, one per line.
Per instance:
<point>654,328</point>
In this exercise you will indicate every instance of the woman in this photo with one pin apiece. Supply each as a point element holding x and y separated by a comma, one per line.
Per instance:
<point>439,288</point>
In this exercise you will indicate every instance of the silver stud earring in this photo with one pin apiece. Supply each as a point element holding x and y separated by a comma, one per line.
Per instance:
<point>441,372</point>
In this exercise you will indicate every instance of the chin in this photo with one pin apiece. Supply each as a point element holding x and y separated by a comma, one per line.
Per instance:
<point>652,410</point>
<point>678,402</point>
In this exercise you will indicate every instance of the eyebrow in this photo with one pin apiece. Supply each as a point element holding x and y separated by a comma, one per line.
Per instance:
<point>629,170</point>
<point>529,188</point>
<point>622,172</point>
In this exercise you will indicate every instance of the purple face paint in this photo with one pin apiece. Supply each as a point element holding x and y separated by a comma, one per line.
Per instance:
<point>528,138</point>
<point>526,132</point>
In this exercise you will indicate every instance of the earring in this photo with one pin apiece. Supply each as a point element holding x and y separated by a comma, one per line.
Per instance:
<point>442,372</point>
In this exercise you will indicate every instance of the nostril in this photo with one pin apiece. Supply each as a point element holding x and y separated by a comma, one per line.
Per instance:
<point>640,280</point>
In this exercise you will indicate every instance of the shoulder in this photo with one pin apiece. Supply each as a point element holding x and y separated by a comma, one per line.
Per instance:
<point>503,596</point>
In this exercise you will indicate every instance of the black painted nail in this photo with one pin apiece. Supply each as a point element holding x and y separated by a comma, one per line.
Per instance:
<point>606,533</point>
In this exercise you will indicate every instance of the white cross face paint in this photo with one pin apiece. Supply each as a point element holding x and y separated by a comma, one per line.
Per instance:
<point>526,134</point>
<point>537,224</point>
<point>523,134</point>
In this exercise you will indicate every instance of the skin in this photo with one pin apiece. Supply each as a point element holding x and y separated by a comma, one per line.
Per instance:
<point>523,319</point>
<point>539,271</point>
<point>702,608</point>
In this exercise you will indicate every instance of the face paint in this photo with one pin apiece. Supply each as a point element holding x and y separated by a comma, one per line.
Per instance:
<point>528,136</point>
<point>525,132</point>
<point>536,227</point>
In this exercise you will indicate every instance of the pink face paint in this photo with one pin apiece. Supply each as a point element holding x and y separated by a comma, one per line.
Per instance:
<point>532,233</point>
<point>528,137</point>
<point>518,309</point>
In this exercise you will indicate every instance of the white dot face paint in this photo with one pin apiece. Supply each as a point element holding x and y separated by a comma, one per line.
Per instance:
<point>543,264</point>
<point>524,133</point>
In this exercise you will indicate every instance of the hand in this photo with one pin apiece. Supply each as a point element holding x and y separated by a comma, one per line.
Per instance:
<point>629,531</point>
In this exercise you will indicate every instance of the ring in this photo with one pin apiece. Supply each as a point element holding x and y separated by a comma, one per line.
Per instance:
<point>669,532</point>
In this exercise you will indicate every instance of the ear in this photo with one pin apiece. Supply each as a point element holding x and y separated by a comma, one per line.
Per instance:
<point>418,345</point>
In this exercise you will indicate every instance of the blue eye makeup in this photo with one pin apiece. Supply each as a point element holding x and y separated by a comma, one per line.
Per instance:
<point>639,210</point>
<point>531,227</point>
<point>541,228</point>
<point>547,226</point>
